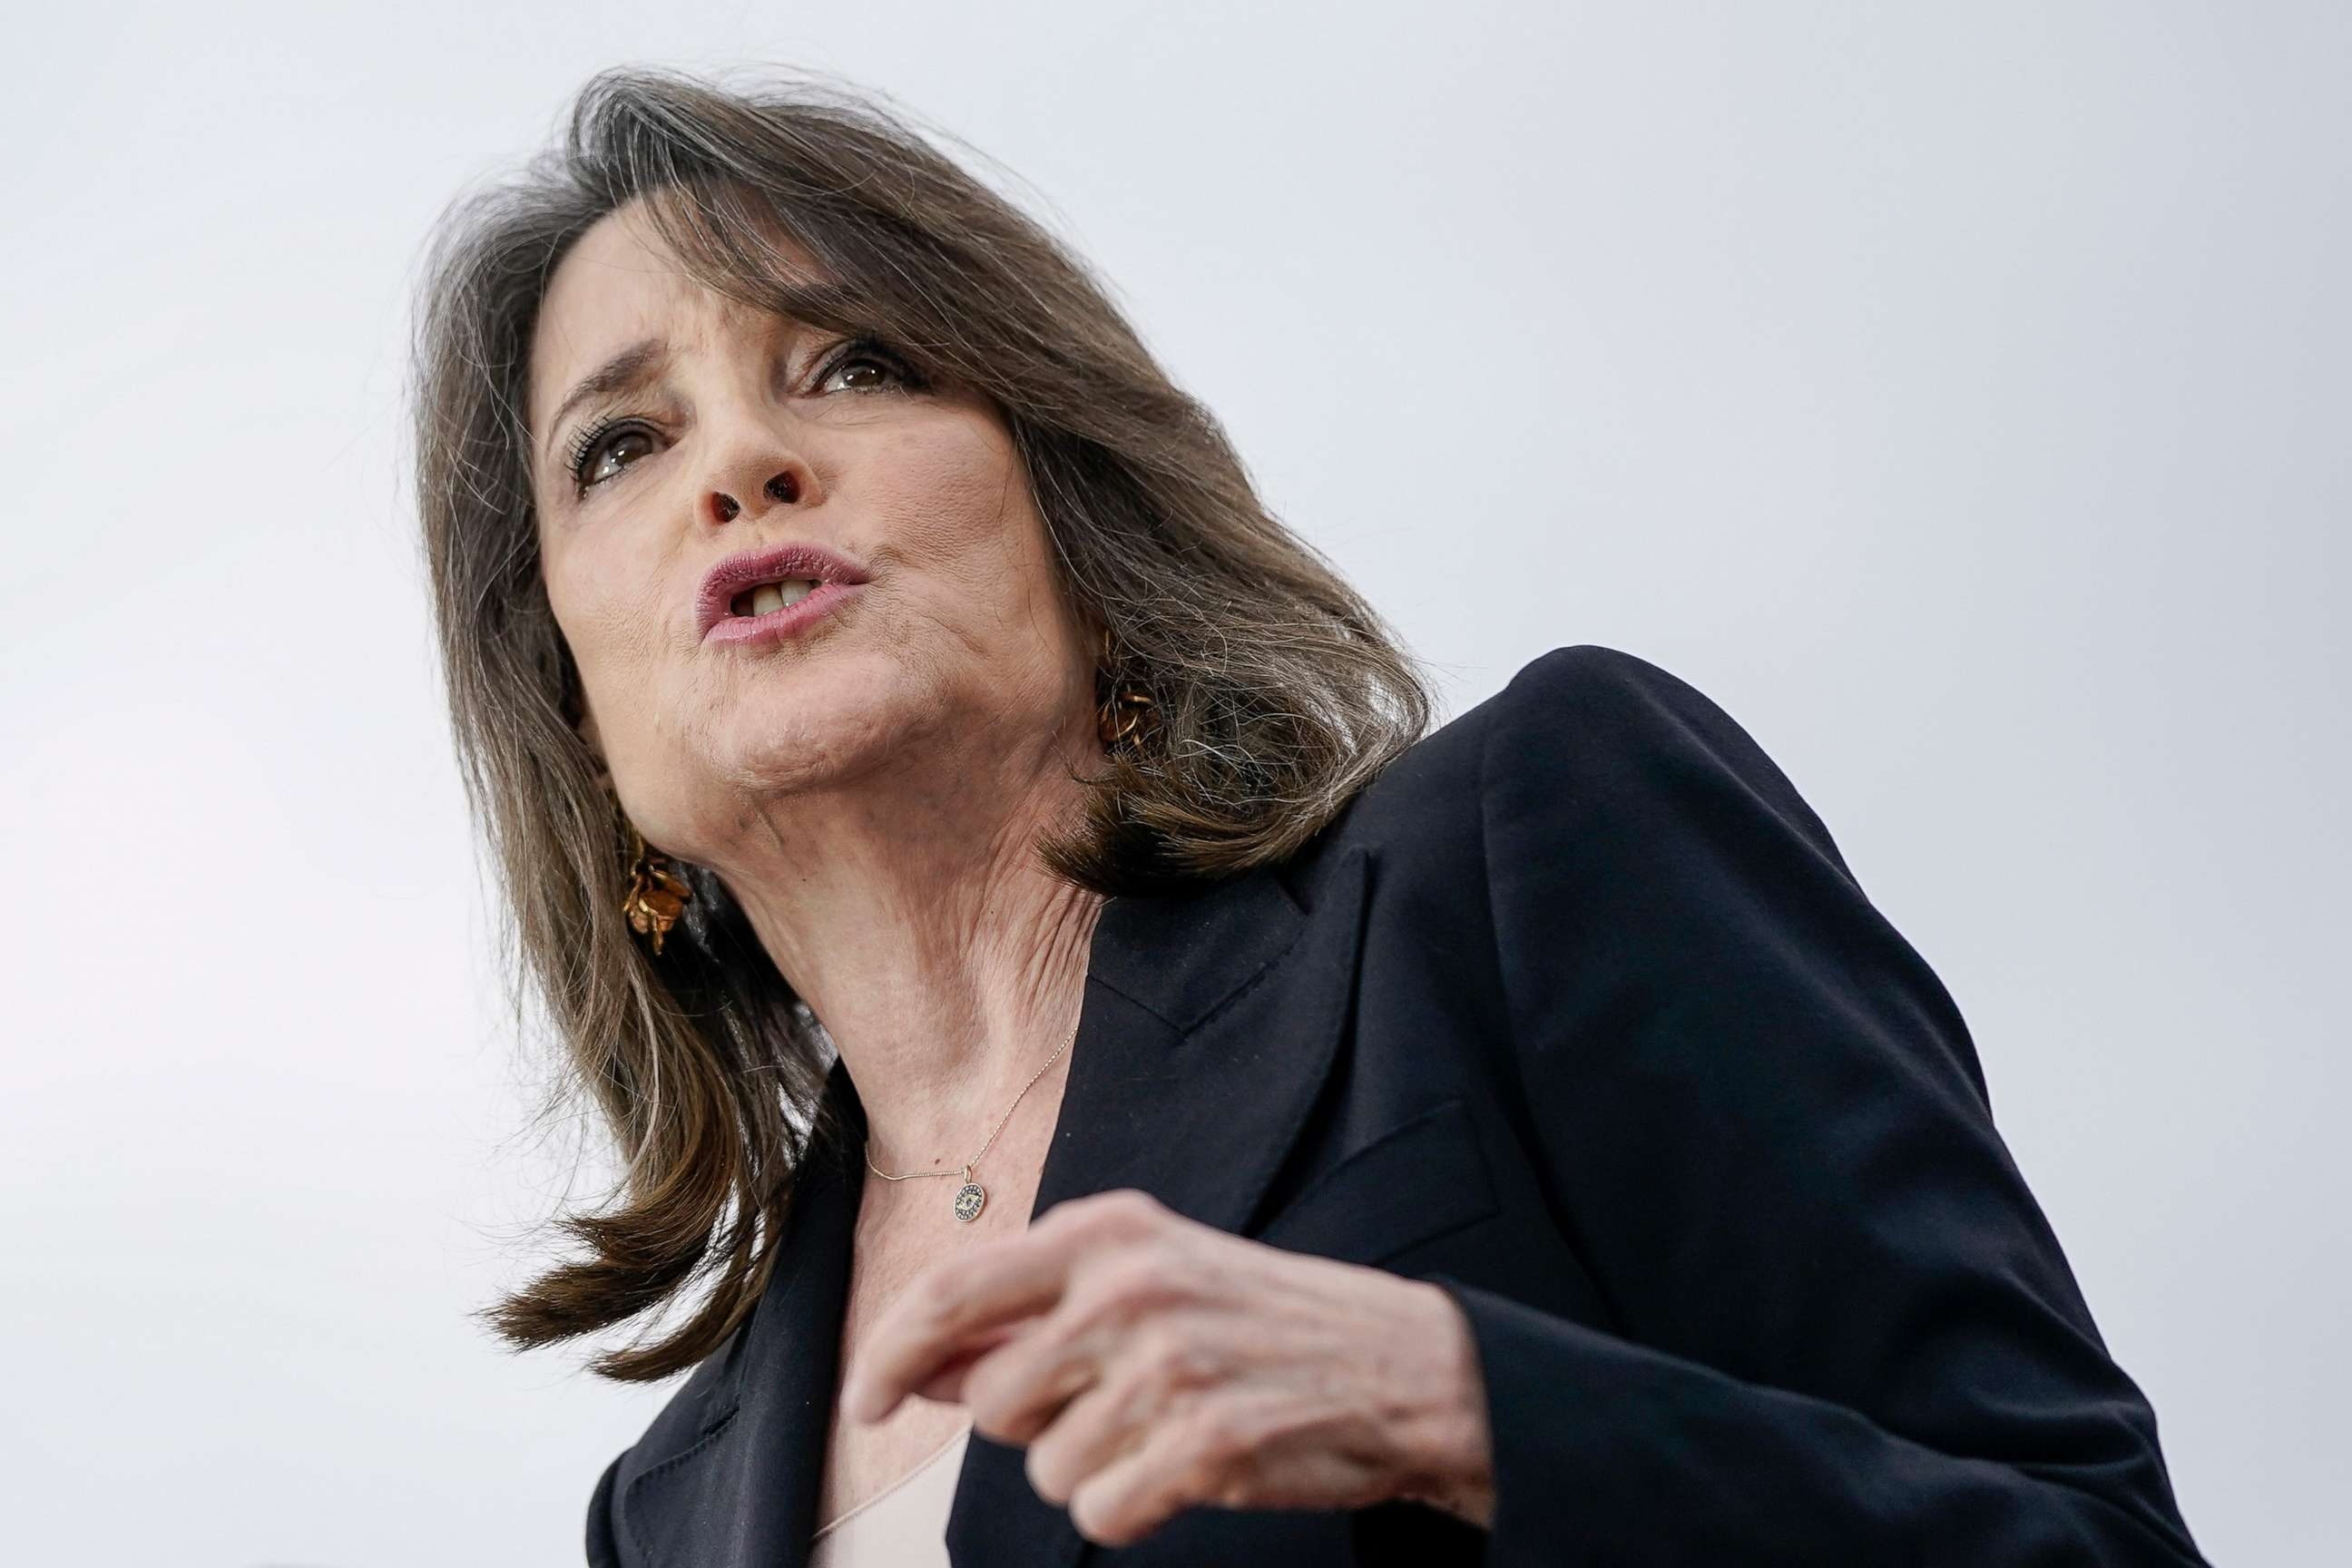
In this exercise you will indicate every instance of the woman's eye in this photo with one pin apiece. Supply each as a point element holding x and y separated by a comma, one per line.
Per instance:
<point>869,368</point>
<point>603,450</point>
<point>601,458</point>
<point>861,373</point>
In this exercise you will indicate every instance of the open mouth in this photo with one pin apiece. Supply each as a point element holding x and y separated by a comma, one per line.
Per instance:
<point>763,598</point>
<point>778,611</point>
<point>757,594</point>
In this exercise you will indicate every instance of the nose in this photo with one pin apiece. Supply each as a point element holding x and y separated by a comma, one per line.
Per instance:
<point>751,465</point>
<point>785,487</point>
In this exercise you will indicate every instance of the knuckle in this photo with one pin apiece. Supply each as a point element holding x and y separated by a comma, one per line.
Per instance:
<point>986,1397</point>
<point>1133,1277</point>
<point>1124,1211</point>
<point>1109,1216</point>
<point>1219,1435</point>
<point>1168,1358</point>
<point>1205,1469</point>
<point>1155,1365</point>
<point>1045,1471</point>
<point>1158,1350</point>
<point>1133,1205</point>
<point>935,1294</point>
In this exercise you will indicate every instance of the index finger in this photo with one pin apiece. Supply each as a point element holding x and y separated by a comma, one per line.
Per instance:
<point>950,1302</point>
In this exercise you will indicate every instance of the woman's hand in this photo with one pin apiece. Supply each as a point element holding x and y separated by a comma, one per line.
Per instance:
<point>1150,1364</point>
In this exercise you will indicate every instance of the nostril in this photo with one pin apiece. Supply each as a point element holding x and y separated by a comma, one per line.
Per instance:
<point>784,487</point>
<point>727,507</point>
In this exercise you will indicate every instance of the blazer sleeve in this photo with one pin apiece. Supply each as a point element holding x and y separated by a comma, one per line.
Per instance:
<point>1843,1331</point>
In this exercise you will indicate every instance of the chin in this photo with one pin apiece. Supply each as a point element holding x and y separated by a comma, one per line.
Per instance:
<point>818,725</point>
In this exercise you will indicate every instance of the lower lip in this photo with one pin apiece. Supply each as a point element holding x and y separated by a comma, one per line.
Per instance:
<point>747,631</point>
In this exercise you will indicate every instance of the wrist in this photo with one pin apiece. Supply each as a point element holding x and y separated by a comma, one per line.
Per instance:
<point>1450,1462</point>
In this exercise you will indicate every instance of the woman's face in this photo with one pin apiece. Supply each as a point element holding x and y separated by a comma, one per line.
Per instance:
<point>955,657</point>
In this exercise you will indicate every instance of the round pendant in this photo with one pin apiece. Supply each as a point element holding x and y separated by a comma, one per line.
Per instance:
<point>968,1199</point>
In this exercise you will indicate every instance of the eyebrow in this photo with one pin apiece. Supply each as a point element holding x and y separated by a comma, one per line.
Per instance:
<point>629,369</point>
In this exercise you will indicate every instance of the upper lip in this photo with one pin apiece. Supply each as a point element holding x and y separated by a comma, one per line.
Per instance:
<point>776,564</point>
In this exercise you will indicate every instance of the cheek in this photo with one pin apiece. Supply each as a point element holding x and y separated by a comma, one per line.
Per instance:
<point>952,506</point>
<point>608,612</point>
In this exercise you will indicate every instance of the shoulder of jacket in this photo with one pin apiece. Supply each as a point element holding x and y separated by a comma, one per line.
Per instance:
<point>1596,733</point>
<point>1585,677</point>
<point>1601,687</point>
<point>1604,717</point>
<point>1428,801</point>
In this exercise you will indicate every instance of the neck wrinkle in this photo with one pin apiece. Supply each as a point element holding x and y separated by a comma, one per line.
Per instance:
<point>945,962</point>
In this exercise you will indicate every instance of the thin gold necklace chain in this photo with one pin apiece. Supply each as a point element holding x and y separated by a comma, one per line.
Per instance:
<point>966,1171</point>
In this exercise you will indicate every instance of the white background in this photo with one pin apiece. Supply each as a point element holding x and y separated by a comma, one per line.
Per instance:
<point>1956,392</point>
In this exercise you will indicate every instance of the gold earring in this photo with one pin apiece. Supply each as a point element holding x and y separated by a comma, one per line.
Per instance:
<point>656,892</point>
<point>1123,710</point>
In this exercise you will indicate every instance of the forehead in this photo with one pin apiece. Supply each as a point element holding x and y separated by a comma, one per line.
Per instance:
<point>618,283</point>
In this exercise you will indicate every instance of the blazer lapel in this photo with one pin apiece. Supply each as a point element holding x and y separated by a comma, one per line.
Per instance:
<point>745,1492</point>
<point>1210,1022</point>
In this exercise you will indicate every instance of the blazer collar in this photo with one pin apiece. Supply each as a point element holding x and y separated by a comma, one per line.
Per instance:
<point>1210,1022</point>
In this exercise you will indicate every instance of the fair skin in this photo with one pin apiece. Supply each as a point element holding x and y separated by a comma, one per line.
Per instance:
<point>871,791</point>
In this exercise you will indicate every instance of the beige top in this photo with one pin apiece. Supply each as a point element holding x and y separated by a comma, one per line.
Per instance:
<point>904,1525</point>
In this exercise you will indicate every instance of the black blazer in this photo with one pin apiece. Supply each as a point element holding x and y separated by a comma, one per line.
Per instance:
<point>1578,1013</point>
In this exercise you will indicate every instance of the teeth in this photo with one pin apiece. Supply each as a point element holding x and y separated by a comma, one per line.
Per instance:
<point>769,597</point>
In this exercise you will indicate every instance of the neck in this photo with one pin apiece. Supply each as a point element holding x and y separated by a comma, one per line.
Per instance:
<point>946,964</point>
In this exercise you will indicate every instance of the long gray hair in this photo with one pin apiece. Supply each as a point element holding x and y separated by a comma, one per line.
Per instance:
<point>1278,692</point>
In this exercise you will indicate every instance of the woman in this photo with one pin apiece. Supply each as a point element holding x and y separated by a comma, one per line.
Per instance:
<point>1087,1068</point>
